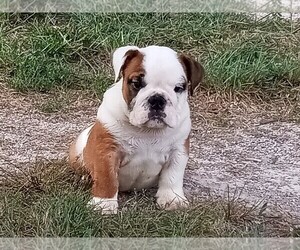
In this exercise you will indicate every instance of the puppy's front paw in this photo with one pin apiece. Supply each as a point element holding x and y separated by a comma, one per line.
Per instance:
<point>171,201</point>
<point>105,205</point>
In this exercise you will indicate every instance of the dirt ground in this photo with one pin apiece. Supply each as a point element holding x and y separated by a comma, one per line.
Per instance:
<point>237,144</point>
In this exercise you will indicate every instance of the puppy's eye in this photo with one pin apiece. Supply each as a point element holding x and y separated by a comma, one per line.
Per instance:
<point>180,89</point>
<point>137,83</point>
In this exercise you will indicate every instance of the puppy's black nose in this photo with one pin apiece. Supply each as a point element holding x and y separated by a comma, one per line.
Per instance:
<point>157,102</point>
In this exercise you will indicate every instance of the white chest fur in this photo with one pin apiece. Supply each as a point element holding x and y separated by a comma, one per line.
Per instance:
<point>142,163</point>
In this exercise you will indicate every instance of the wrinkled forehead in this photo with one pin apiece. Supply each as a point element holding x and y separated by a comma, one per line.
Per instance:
<point>162,65</point>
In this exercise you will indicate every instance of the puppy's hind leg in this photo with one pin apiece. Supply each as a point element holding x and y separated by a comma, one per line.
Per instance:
<point>102,157</point>
<point>105,183</point>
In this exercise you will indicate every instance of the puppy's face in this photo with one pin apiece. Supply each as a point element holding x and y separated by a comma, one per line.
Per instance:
<point>155,86</point>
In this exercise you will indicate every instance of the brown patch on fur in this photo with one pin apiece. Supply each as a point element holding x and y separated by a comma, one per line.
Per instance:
<point>102,158</point>
<point>131,68</point>
<point>187,145</point>
<point>193,70</point>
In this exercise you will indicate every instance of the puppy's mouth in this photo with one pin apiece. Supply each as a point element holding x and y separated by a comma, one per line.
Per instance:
<point>157,115</point>
<point>156,119</point>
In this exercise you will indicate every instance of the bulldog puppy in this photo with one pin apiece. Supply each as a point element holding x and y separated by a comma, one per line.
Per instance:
<point>140,138</point>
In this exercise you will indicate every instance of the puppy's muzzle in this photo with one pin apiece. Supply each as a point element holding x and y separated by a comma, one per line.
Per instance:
<point>157,104</point>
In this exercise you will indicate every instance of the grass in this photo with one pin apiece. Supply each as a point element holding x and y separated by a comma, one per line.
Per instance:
<point>40,52</point>
<point>49,200</point>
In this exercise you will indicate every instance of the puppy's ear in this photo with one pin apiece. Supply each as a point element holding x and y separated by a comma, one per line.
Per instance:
<point>193,70</point>
<point>119,57</point>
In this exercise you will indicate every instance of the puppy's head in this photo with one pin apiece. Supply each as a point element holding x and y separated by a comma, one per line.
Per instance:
<point>156,82</point>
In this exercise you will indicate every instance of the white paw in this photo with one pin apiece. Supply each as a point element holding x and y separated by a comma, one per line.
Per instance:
<point>171,201</point>
<point>106,205</point>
